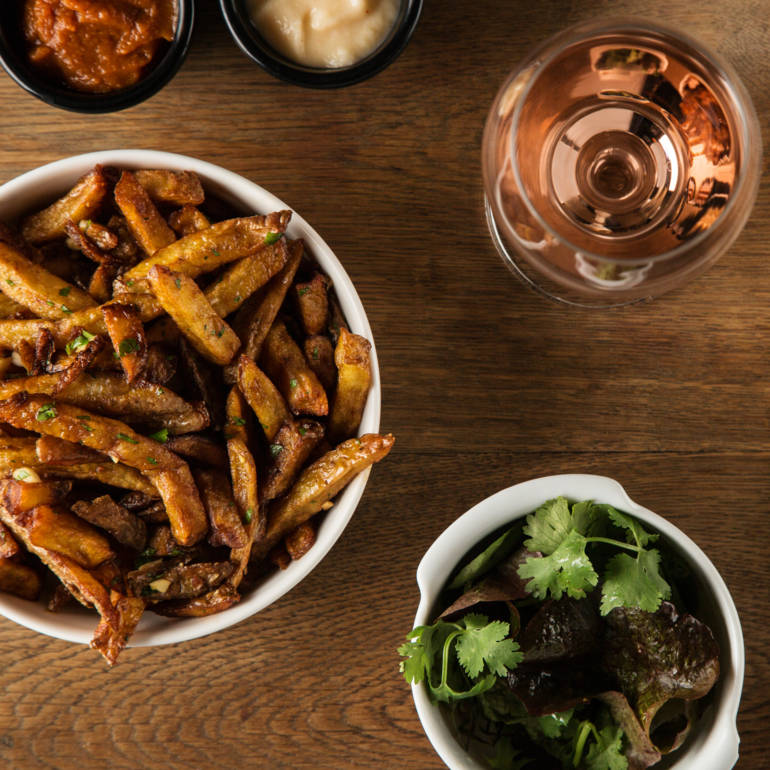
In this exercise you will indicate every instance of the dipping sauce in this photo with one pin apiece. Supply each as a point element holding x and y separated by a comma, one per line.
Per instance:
<point>324,33</point>
<point>97,46</point>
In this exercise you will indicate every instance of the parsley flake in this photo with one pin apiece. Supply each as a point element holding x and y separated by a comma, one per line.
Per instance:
<point>124,437</point>
<point>65,291</point>
<point>178,283</point>
<point>303,291</point>
<point>66,310</point>
<point>152,460</point>
<point>10,282</point>
<point>46,412</point>
<point>238,421</point>
<point>160,435</point>
<point>127,346</point>
<point>292,383</point>
<point>271,238</point>
<point>248,514</point>
<point>276,449</point>
<point>79,343</point>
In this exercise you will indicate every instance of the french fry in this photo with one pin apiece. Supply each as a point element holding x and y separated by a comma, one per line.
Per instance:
<point>164,469</point>
<point>79,363</point>
<point>286,366</point>
<point>320,482</point>
<point>354,378</point>
<point>84,244</point>
<point>262,396</point>
<point>198,448</point>
<point>187,305</point>
<point>60,531</point>
<point>19,579</point>
<point>21,497</point>
<point>177,187</point>
<point>111,636</point>
<point>103,512</point>
<point>243,474</point>
<point>301,540</point>
<point>290,449</point>
<point>313,304</point>
<point>154,406</point>
<point>236,416</point>
<point>188,220</point>
<point>128,338</point>
<point>112,474</point>
<point>45,348</point>
<point>245,276</point>
<point>142,217</point>
<point>253,323</point>
<point>206,250</point>
<point>179,581</point>
<point>319,354</point>
<point>8,545</point>
<point>79,203</point>
<point>224,517</point>
<point>17,453</point>
<point>209,604</point>
<point>32,286</point>
<point>100,235</point>
<point>9,308</point>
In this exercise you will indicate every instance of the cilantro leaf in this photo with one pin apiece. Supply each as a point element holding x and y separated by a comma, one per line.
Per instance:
<point>451,657</point>
<point>606,753</point>
<point>567,570</point>
<point>548,526</point>
<point>634,582</point>
<point>484,642</point>
<point>636,534</point>
<point>507,757</point>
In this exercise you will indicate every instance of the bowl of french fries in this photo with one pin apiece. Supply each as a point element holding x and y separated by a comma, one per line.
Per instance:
<point>189,399</point>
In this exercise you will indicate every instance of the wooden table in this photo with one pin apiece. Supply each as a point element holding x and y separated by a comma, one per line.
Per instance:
<point>484,385</point>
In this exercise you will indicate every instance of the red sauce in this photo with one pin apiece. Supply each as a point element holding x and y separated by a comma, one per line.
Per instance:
<point>97,45</point>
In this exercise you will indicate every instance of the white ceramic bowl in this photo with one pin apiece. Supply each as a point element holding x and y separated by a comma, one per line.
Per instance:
<point>38,188</point>
<point>713,743</point>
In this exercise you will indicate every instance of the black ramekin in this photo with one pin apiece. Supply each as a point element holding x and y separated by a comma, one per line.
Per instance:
<point>13,57</point>
<point>253,45</point>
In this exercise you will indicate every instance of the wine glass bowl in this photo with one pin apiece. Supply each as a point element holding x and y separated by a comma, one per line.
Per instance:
<point>619,160</point>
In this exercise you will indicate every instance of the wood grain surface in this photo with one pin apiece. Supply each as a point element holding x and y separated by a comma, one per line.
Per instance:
<point>484,385</point>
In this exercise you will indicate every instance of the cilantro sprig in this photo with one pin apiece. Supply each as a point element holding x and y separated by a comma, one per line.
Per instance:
<point>459,660</point>
<point>561,533</point>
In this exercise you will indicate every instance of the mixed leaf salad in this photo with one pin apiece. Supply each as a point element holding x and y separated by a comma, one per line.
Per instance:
<point>565,643</point>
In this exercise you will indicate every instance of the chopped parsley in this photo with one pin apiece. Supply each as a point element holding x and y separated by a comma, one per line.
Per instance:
<point>276,449</point>
<point>66,310</point>
<point>160,435</point>
<point>79,343</point>
<point>127,346</point>
<point>50,304</point>
<point>152,460</point>
<point>65,291</point>
<point>130,282</point>
<point>271,238</point>
<point>315,352</point>
<point>248,515</point>
<point>303,291</point>
<point>124,437</point>
<point>10,282</point>
<point>178,283</point>
<point>292,383</point>
<point>238,421</point>
<point>46,412</point>
<point>20,474</point>
<point>215,252</point>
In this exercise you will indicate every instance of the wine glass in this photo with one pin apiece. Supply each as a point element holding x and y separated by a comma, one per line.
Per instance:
<point>620,160</point>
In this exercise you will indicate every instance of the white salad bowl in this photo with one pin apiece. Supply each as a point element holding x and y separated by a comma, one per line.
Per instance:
<point>713,742</point>
<point>39,187</point>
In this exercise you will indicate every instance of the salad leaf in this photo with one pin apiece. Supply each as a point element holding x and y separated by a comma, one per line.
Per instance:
<point>484,642</point>
<point>636,533</point>
<point>548,526</point>
<point>639,750</point>
<point>566,570</point>
<point>659,656</point>
<point>507,757</point>
<point>606,752</point>
<point>459,653</point>
<point>488,559</point>
<point>634,582</point>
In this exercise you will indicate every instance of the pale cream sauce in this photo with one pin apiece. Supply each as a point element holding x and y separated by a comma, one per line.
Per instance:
<point>324,33</point>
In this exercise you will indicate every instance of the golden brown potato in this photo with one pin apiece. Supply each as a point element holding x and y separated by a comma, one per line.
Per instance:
<point>56,451</point>
<point>313,304</point>
<point>245,276</point>
<point>60,531</point>
<point>319,354</point>
<point>236,416</point>
<point>262,396</point>
<point>301,540</point>
<point>98,234</point>
<point>164,469</point>
<point>255,319</point>
<point>188,220</point>
<point>286,366</point>
<point>79,203</point>
<point>177,187</point>
<point>223,513</point>
<point>206,250</point>
<point>126,332</point>
<point>32,286</point>
<point>354,378</point>
<point>8,545</point>
<point>111,635</point>
<point>187,305</point>
<point>202,450</point>
<point>146,403</point>
<point>20,494</point>
<point>142,217</point>
<point>290,450</point>
<point>320,482</point>
<point>103,512</point>
<point>19,579</point>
